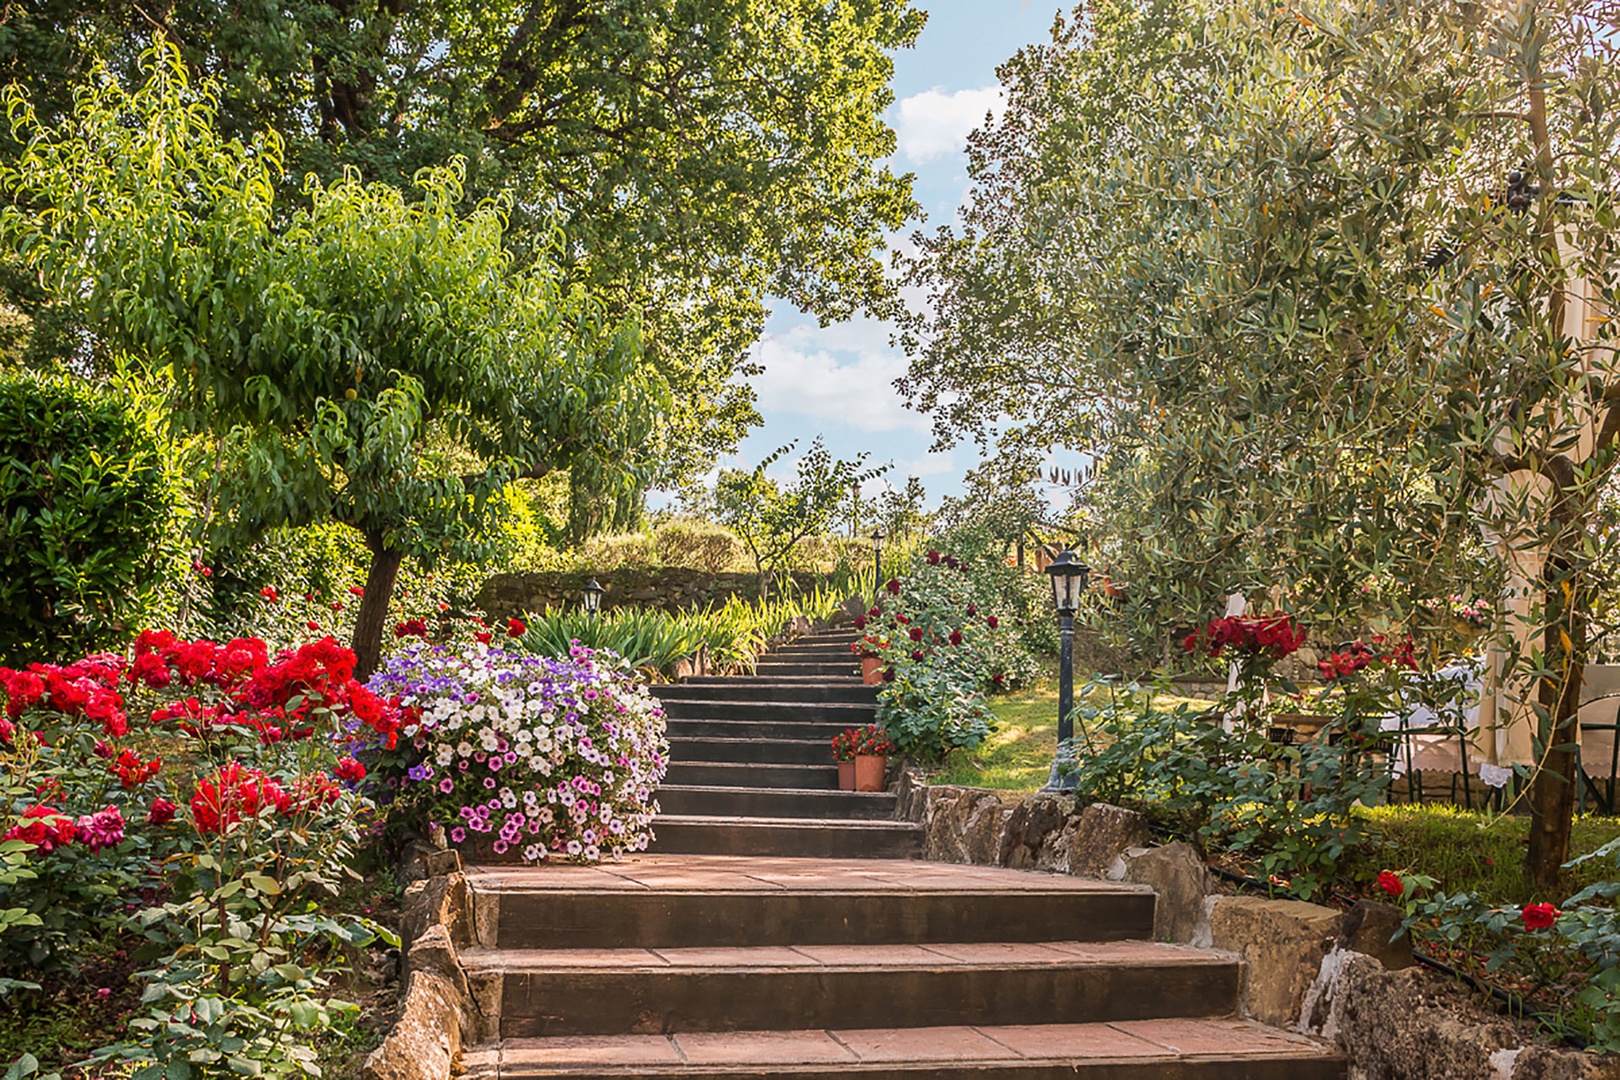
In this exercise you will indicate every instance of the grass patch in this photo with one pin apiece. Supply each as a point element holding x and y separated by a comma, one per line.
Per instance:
<point>1469,851</point>
<point>1018,754</point>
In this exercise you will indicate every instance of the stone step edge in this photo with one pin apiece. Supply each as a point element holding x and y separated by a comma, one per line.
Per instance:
<point>817,793</point>
<point>600,962</point>
<point>826,824</point>
<point>760,1053</point>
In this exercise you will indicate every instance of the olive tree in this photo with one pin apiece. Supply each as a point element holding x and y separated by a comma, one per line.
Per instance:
<point>1324,289</point>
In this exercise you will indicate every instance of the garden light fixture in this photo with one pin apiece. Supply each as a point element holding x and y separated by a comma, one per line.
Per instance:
<point>1069,577</point>
<point>593,597</point>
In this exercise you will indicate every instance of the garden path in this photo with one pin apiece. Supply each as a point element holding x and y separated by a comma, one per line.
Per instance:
<point>773,933</point>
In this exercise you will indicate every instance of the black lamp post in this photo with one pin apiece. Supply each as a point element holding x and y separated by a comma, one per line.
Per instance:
<point>593,597</point>
<point>1069,577</point>
<point>877,562</point>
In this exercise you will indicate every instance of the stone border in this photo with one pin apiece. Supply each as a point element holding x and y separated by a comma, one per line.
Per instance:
<point>1346,976</point>
<point>438,1009</point>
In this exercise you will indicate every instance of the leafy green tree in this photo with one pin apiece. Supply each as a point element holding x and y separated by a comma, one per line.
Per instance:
<point>699,156</point>
<point>362,358</point>
<point>770,518</point>
<point>85,504</point>
<point>1324,289</point>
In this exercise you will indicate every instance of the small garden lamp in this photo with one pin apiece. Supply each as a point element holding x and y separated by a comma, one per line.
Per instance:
<point>593,597</point>
<point>1069,576</point>
<point>877,561</point>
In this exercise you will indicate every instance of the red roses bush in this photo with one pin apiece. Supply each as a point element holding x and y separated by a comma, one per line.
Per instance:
<point>1274,636</point>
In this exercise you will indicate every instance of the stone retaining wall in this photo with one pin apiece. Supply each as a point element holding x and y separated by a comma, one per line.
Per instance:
<point>1345,976</point>
<point>438,1011</point>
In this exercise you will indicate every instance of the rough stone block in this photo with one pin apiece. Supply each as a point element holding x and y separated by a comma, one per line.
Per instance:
<point>1028,826</point>
<point>1393,1025</point>
<point>1180,878</point>
<point>1282,943</point>
<point>963,825</point>
<point>427,1039</point>
<point>1374,929</point>
<point>438,901</point>
<point>1091,840</point>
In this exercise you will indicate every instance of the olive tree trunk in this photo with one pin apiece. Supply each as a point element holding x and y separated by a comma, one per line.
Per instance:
<point>372,620</point>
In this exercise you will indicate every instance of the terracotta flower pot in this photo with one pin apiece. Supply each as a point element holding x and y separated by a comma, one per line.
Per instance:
<point>846,776</point>
<point>869,772</point>
<point>871,670</point>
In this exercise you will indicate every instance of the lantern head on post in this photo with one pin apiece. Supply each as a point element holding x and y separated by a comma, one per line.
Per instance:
<point>1069,578</point>
<point>593,597</point>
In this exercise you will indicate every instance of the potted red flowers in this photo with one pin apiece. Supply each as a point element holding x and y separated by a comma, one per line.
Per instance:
<point>866,751</point>
<point>867,648</point>
<point>843,751</point>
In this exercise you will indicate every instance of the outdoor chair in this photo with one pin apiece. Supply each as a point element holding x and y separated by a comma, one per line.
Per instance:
<point>1600,753</point>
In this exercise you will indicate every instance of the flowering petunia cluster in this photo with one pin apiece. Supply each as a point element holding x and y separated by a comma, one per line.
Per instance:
<point>541,757</point>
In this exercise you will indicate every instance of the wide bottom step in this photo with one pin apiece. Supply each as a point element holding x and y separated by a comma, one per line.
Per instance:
<point>1223,1049</point>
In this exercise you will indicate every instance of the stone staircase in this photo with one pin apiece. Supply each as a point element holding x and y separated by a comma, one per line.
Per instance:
<point>721,955</point>
<point>751,769</point>
<point>703,967</point>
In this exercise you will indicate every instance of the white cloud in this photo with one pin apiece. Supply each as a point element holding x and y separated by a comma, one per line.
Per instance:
<point>934,123</point>
<point>843,373</point>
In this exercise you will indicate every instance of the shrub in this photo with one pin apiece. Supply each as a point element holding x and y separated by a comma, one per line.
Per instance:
<point>548,757</point>
<point>701,545</point>
<point>84,500</point>
<point>620,549</point>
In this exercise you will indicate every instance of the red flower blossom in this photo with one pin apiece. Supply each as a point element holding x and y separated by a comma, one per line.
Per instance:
<point>132,771</point>
<point>916,633</point>
<point>162,811</point>
<point>874,612</point>
<point>46,827</point>
<point>233,793</point>
<point>893,586</point>
<point>1539,916</point>
<point>956,637</point>
<point>1391,883</point>
<point>933,558</point>
<point>916,654</point>
<point>410,628</point>
<point>269,593</point>
<point>350,769</point>
<point>355,590</point>
<point>991,621</point>
<point>516,628</point>
<point>312,626</point>
<point>483,636</point>
<point>860,622</point>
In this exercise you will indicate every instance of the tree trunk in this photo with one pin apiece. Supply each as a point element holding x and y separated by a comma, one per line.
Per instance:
<point>371,621</point>
<point>1552,792</point>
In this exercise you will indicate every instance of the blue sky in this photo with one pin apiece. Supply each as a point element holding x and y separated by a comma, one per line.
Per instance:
<point>837,381</point>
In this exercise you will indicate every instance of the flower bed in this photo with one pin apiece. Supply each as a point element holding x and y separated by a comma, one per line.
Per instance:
<point>514,753</point>
<point>201,794</point>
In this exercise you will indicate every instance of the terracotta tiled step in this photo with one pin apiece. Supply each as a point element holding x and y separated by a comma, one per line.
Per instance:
<point>1131,1050</point>
<point>517,911</point>
<point>759,690</point>
<point>546,992</point>
<point>807,838</point>
<point>741,774</point>
<point>846,713</point>
<point>694,728</point>
<point>679,799</point>
<point>744,748</point>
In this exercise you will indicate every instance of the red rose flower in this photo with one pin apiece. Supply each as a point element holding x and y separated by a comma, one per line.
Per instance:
<point>162,812</point>
<point>1391,883</point>
<point>956,637</point>
<point>516,628</point>
<point>916,654</point>
<point>355,590</point>
<point>312,626</point>
<point>1539,916</point>
<point>860,622</point>
<point>350,769</point>
<point>410,628</point>
<point>916,633</point>
<point>269,593</point>
<point>933,558</point>
<point>483,636</point>
<point>893,586</point>
<point>991,621</point>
